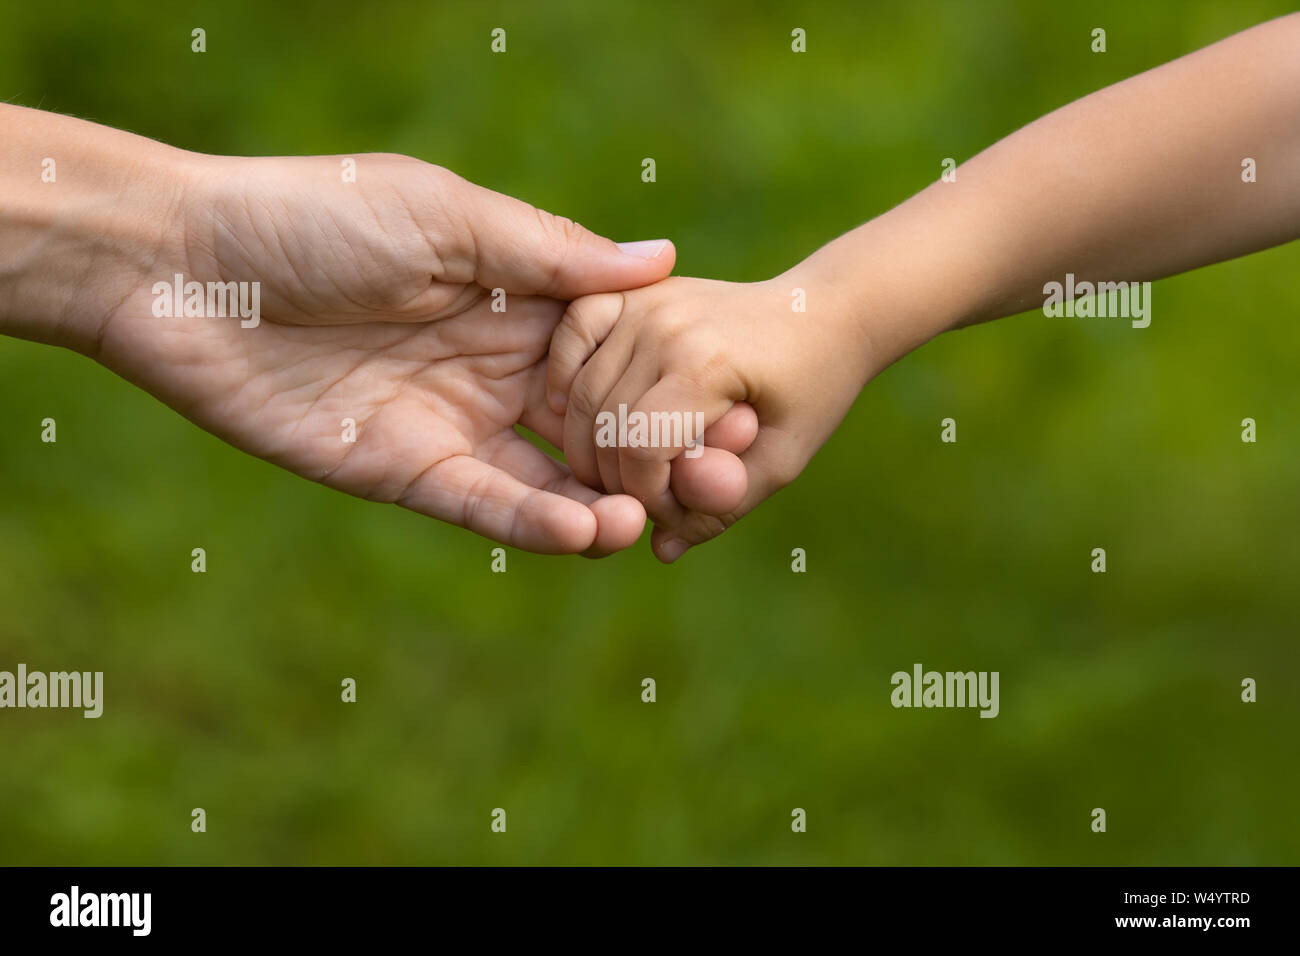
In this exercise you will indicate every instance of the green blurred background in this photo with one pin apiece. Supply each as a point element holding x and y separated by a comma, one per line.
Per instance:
<point>522,690</point>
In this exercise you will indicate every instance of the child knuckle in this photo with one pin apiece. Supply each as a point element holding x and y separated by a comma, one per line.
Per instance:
<point>582,400</point>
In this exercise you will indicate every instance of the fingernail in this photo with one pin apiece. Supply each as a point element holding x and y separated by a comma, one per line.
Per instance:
<point>558,401</point>
<point>672,549</point>
<point>643,248</point>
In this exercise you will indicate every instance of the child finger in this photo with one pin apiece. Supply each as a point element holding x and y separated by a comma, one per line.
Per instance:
<point>586,323</point>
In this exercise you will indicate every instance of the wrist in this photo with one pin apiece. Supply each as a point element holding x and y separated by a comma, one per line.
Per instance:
<point>87,214</point>
<point>838,314</point>
<point>901,279</point>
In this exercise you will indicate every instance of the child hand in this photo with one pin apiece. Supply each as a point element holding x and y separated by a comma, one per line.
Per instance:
<point>685,350</point>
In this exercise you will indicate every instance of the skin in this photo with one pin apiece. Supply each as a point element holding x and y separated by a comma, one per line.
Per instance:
<point>375,307</point>
<point>1135,182</point>
<point>701,346</point>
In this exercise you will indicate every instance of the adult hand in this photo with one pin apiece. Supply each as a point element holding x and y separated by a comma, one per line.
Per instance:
<point>395,263</point>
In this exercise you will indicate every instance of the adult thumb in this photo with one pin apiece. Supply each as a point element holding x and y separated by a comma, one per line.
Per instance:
<point>528,251</point>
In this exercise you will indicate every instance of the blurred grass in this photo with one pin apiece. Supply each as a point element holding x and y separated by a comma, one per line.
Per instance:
<point>522,690</point>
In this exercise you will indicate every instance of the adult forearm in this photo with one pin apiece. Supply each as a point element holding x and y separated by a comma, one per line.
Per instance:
<point>84,212</point>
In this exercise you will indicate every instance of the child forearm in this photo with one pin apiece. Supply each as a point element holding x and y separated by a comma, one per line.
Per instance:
<point>1137,181</point>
